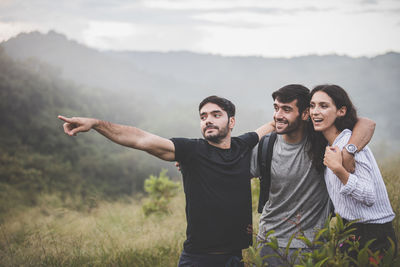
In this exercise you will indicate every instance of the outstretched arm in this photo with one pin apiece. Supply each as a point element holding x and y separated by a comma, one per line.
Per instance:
<point>123,135</point>
<point>265,129</point>
<point>362,134</point>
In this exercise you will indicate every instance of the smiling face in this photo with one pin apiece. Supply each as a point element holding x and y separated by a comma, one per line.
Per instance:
<point>287,117</point>
<point>214,123</point>
<point>323,112</point>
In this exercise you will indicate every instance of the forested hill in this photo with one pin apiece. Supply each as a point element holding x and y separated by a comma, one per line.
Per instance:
<point>175,82</point>
<point>43,75</point>
<point>37,157</point>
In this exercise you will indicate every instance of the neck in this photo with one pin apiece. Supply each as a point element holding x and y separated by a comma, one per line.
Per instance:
<point>224,144</point>
<point>295,136</point>
<point>330,134</point>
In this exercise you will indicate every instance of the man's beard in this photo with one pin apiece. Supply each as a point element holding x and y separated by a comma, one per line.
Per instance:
<point>291,127</point>
<point>218,137</point>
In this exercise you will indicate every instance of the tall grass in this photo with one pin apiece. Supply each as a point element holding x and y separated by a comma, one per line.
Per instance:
<point>55,233</point>
<point>112,234</point>
<point>390,169</point>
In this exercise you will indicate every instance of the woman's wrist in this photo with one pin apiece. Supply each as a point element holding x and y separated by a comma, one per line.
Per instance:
<point>341,173</point>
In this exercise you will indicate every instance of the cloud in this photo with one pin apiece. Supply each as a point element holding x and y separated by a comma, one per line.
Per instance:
<point>9,29</point>
<point>115,36</point>
<point>219,26</point>
<point>369,2</point>
<point>381,11</point>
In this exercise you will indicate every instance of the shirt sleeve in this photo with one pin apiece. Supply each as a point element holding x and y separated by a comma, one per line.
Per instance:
<point>184,148</point>
<point>360,185</point>
<point>250,138</point>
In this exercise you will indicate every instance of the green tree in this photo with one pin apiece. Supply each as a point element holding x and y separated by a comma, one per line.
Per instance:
<point>160,189</point>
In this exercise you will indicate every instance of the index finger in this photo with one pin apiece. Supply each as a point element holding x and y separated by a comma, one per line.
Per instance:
<point>64,118</point>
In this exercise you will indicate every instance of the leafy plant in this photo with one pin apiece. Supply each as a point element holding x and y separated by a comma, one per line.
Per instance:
<point>161,190</point>
<point>334,245</point>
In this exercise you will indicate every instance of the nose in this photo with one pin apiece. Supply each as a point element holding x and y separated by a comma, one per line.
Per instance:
<point>278,114</point>
<point>209,120</point>
<point>314,110</point>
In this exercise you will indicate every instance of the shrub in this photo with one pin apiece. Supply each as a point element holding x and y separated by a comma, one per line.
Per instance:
<point>160,189</point>
<point>327,249</point>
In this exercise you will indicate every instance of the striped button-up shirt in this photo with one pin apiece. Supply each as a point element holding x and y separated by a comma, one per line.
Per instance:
<point>364,196</point>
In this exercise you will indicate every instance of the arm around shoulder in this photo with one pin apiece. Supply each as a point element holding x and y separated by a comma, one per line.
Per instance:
<point>362,133</point>
<point>265,129</point>
<point>361,136</point>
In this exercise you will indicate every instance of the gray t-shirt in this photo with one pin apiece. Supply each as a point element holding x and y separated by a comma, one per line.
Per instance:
<point>298,199</point>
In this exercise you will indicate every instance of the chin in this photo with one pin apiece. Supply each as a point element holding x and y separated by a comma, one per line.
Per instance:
<point>318,129</point>
<point>210,136</point>
<point>280,131</point>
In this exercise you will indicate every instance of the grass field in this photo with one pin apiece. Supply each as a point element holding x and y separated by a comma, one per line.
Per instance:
<point>113,234</point>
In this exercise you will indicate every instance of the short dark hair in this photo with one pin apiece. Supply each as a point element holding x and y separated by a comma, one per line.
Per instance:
<point>291,92</point>
<point>223,103</point>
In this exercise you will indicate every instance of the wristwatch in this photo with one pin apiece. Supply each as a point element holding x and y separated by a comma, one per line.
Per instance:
<point>351,148</point>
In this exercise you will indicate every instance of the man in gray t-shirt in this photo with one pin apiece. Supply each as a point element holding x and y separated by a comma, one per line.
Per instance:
<point>298,199</point>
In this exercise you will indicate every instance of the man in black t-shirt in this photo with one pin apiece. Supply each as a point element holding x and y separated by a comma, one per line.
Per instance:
<point>216,178</point>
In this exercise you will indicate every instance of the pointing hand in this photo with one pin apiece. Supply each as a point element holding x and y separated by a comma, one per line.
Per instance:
<point>74,125</point>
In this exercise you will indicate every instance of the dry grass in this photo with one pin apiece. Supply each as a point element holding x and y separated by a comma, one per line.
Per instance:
<point>114,234</point>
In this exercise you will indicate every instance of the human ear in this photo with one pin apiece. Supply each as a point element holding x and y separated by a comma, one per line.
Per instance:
<point>306,114</point>
<point>342,111</point>
<point>232,122</point>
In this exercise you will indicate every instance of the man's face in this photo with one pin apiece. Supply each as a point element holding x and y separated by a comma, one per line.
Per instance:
<point>287,117</point>
<point>214,123</point>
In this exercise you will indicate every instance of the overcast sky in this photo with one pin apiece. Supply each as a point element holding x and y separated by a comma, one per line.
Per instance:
<point>271,28</point>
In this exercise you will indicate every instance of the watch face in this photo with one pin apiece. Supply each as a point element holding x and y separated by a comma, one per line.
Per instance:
<point>351,148</point>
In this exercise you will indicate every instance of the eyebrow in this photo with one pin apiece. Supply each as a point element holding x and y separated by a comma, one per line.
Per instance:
<point>322,102</point>
<point>283,106</point>
<point>212,112</point>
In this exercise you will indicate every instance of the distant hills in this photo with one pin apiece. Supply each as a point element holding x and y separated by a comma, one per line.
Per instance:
<point>174,83</point>
<point>43,75</point>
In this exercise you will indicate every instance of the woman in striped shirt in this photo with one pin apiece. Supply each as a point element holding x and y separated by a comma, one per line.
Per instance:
<point>360,195</point>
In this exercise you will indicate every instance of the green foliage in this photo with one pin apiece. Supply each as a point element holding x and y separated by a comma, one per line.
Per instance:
<point>327,249</point>
<point>255,193</point>
<point>38,158</point>
<point>161,190</point>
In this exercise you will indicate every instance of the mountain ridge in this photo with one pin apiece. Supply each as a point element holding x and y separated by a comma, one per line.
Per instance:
<point>184,78</point>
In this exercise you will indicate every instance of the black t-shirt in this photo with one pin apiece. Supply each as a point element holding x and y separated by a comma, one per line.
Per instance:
<point>218,195</point>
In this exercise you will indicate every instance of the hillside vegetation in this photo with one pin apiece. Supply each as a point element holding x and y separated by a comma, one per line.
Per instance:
<point>172,84</point>
<point>79,201</point>
<point>116,233</point>
<point>38,158</point>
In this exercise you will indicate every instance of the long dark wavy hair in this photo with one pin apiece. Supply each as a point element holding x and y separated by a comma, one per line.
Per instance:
<point>341,99</point>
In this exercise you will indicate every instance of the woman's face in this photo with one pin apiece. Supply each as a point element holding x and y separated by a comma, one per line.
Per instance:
<point>323,111</point>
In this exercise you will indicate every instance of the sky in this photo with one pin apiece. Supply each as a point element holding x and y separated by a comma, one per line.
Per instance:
<point>268,28</point>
